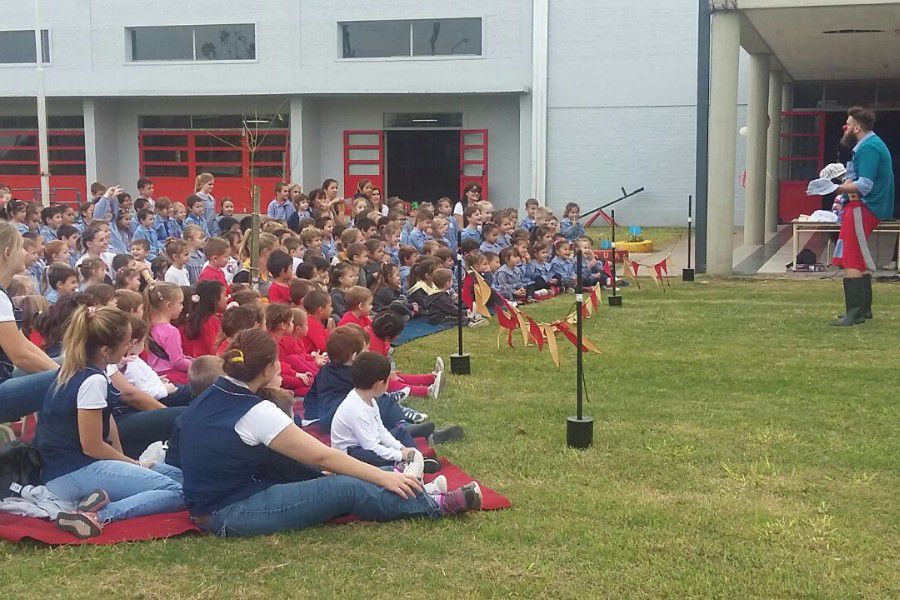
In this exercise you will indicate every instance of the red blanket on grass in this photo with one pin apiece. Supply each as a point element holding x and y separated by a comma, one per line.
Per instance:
<point>14,528</point>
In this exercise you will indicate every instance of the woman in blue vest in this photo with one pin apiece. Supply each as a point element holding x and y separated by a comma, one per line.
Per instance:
<point>78,439</point>
<point>26,372</point>
<point>226,435</point>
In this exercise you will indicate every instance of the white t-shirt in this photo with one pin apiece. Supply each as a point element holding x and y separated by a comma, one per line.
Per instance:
<point>92,392</point>
<point>6,309</point>
<point>143,377</point>
<point>356,423</point>
<point>262,423</point>
<point>177,276</point>
<point>458,209</point>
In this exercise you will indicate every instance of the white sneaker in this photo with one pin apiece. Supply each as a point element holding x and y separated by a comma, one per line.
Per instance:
<point>437,486</point>
<point>439,365</point>
<point>415,466</point>
<point>434,390</point>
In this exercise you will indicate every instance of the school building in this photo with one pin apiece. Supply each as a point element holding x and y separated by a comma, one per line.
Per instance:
<point>569,100</point>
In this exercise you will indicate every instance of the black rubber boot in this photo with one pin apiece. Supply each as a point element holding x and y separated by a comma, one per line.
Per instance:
<point>854,299</point>
<point>867,304</point>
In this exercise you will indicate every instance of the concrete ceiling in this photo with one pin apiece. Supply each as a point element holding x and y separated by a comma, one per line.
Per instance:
<point>797,39</point>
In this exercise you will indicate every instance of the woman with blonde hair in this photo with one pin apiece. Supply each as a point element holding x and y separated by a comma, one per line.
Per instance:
<point>78,438</point>
<point>19,395</point>
<point>203,187</point>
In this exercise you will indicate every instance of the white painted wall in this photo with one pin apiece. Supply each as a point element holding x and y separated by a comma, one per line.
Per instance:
<point>297,49</point>
<point>622,107</point>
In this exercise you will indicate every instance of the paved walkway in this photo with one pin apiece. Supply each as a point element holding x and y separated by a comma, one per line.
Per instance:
<point>772,258</point>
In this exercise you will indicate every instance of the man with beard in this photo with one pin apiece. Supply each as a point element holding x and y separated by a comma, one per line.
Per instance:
<point>870,189</point>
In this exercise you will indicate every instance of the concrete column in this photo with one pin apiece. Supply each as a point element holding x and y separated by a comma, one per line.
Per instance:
<point>757,127</point>
<point>773,151</point>
<point>725,39</point>
<point>91,169</point>
<point>539,47</point>
<point>294,173</point>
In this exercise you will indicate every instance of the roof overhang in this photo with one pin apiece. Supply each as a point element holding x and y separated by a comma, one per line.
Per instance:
<point>824,40</point>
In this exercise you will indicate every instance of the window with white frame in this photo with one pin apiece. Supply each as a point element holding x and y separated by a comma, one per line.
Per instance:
<point>193,42</point>
<point>17,47</point>
<point>410,38</point>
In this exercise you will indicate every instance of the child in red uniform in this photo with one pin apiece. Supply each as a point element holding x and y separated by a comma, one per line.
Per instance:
<point>237,319</point>
<point>318,306</point>
<point>218,252</point>
<point>294,376</point>
<point>359,307</point>
<point>200,334</point>
<point>386,326</point>
<point>279,265</point>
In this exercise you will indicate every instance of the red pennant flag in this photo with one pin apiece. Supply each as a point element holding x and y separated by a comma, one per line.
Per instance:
<point>662,268</point>
<point>634,272</point>
<point>586,344</point>
<point>595,297</point>
<point>537,334</point>
<point>468,291</point>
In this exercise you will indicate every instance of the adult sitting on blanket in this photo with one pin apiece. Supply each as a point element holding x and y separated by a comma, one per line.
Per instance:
<point>870,187</point>
<point>78,438</point>
<point>225,437</point>
<point>21,392</point>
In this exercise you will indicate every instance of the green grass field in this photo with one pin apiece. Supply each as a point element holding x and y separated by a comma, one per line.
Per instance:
<point>743,449</point>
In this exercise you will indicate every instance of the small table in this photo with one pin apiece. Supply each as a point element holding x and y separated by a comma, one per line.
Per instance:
<point>818,227</point>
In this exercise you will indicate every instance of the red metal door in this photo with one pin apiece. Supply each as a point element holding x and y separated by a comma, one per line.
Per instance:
<point>173,159</point>
<point>802,157</point>
<point>473,159</point>
<point>363,159</point>
<point>20,164</point>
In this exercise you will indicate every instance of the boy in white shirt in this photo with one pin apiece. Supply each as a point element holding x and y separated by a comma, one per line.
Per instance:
<point>357,428</point>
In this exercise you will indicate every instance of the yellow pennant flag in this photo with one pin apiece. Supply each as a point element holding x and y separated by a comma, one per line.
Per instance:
<point>482,292</point>
<point>550,333</point>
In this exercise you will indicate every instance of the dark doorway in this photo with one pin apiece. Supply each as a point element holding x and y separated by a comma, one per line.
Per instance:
<point>422,165</point>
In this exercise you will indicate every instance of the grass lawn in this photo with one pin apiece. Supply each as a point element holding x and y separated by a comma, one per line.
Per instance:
<point>743,449</point>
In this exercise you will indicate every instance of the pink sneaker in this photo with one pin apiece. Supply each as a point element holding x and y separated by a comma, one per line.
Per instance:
<point>460,500</point>
<point>82,525</point>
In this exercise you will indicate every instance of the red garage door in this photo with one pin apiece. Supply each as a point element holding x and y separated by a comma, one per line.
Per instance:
<point>20,164</point>
<point>174,158</point>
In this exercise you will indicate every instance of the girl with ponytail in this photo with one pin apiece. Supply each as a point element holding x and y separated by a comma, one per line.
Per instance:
<point>204,322</point>
<point>78,439</point>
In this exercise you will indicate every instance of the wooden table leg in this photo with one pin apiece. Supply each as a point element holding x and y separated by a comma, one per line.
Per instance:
<point>796,247</point>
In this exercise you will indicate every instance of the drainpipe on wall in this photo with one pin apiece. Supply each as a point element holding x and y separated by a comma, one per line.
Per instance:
<point>702,167</point>
<point>540,33</point>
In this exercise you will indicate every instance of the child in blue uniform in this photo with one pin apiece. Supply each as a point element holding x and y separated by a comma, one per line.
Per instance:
<point>78,439</point>
<point>226,436</point>
<point>562,265</point>
<point>570,226</point>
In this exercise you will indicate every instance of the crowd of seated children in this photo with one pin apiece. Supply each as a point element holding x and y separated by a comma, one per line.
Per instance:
<point>329,287</point>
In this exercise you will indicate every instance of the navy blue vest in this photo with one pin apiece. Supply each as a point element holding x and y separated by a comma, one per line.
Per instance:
<point>57,433</point>
<point>219,468</point>
<point>6,365</point>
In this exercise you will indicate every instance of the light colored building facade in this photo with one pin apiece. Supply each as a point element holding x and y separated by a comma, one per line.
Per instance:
<point>601,97</point>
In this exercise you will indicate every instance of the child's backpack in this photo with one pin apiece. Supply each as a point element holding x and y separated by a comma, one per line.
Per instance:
<point>20,465</point>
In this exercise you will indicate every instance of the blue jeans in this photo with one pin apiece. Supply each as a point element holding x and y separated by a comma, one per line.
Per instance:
<point>133,491</point>
<point>137,430</point>
<point>20,396</point>
<point>299,505</point>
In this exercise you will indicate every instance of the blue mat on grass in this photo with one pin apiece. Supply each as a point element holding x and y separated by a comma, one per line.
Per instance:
<point>419,327</point>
